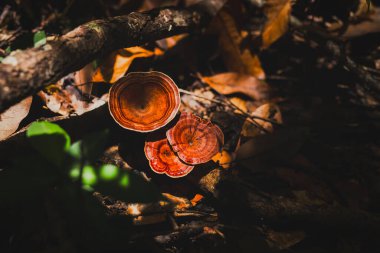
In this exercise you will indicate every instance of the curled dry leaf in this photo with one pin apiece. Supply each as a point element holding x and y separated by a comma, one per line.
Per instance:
<point>278,15</point>
<point>232,82</point>
<point>237,55</point>
<point>11,118</point>
<point>162,159</point>
<point>195,140</point>
<point>68,99</point>
<point>117,63</point>
<point>224,159</point>
<point>267,111</point>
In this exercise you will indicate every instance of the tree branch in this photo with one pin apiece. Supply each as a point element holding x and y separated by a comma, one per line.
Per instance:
<point>23,73</point>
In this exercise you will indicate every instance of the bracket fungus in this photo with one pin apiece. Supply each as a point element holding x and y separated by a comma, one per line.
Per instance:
<point>195,140</point>
<point>163,160</point>
<point>144,101</point>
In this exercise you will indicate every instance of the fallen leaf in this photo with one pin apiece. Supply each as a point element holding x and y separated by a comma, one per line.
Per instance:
<point>118,62</point>
<point>239,103</point>
<point>282,240</point>
<point>11,118</point>
<point>267,111</point>
<point>236,54</point>
<point>369,25</point>
<point>232,82</point>
<point>198,197</point>
<point>170,42</point>
<point>83,78</point>
<point>278,15</point>
<point>283,144</point>
<point>224,159</point>
<point>68,99</point>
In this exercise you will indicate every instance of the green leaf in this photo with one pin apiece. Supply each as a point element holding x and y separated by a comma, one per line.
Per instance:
<point>110,180</point>
<point>90,147</point>
<point>50,140</point>
<point>39,38</point>
<point>8,50</point>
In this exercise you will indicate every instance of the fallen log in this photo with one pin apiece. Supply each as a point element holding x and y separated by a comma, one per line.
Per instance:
<point>23,73</point>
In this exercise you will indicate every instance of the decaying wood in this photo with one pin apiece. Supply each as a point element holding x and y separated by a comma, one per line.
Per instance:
<point>23,73</point>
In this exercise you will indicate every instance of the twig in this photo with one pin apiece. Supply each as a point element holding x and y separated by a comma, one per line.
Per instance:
<point>232,106</point>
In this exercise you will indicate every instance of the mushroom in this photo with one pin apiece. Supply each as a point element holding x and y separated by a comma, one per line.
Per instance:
<point>144,101</point>
<point>163,160</point>
<point>195,140</point>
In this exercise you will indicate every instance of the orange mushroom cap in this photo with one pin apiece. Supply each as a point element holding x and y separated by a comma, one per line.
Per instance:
<point>195,140</point>
<point>163,160</point>
<point>144,101</point>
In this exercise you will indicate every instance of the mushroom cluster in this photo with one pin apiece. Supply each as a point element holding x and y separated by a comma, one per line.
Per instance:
<point>191,141</point>
<point>147,101</point>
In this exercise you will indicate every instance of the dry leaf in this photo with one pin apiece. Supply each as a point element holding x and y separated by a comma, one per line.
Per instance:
<point>239,103</point>
<point>284,239</point>
<point>83,78</point>
<point>118,62</point>
<point>230,82</point>
<point>266,111</point>
<point>282,144</point>
<point>238,58</point>
<point>198,197</point>
<point>11,118</point>
<point>368,25</point>
<point>224,159</point>
<point>170,42</point>
<point>68,99</point>
<point>278,14</point>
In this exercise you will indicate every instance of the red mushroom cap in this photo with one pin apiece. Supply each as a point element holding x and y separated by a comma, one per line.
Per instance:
<point>144,101</point>
<point>195,140</point>
<point>163,160</point>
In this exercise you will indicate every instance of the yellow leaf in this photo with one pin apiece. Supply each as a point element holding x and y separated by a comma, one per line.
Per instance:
<point>117,63</point>
<point>236,54</point>
<point>224,159</point>
<point>278,14</point>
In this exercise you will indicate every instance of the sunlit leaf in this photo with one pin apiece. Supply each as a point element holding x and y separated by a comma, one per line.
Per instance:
<point>266,111</point>
<point>39,38</point>
<point>237,55</point>
<point>50,140</point>
<point>11,118</point>
<point>90,147</point>
<point>231,82</point>
<point>117,64</point>
<point>278,15</point>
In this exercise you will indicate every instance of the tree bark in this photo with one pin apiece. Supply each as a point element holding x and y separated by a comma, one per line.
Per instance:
<point>23,73</point>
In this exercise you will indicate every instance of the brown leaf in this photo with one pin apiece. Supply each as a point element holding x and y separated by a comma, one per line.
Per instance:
<point>280,145</point>
<point>118,62</point>
<point>267,111</point>
<point>236,54</point>
<point>278,14</point>
<point>170,42</point>
<point>230,82</point>
<point>281,240</point>
<point>11,118</point>
<point>83,77</point>
<point>68,100</point>
<point>369,25</point>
